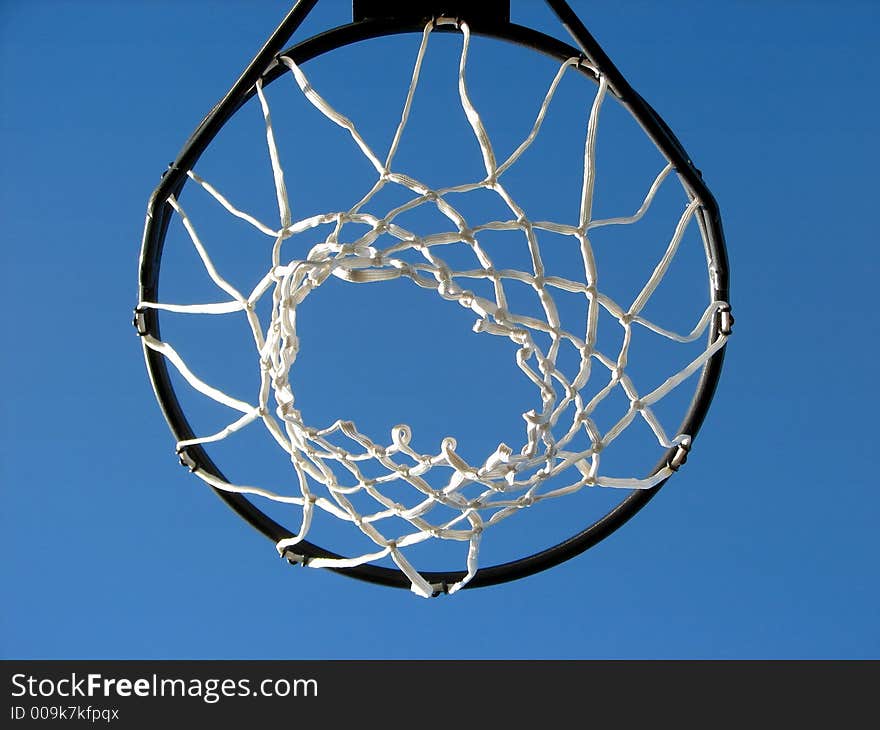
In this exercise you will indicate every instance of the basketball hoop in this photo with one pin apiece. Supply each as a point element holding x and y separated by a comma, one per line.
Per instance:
<point>337,467</point>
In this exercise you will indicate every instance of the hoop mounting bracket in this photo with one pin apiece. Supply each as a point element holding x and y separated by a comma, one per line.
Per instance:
<point>485,11</point>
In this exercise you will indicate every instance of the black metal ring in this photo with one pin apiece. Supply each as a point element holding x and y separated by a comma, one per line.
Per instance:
<point>159,215</point>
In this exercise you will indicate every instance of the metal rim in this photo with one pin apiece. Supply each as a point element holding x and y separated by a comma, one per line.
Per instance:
<point>173,181</point>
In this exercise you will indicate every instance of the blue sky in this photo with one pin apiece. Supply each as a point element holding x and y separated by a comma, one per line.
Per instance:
<point>764,546</point>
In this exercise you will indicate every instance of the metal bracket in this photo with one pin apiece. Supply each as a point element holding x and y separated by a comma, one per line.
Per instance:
<point>484,11</point>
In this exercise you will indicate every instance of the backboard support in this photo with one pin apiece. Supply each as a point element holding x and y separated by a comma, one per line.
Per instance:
<point>494,11</point>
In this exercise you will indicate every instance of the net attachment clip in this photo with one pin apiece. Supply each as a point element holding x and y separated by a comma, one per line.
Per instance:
<point>439,589</point>
<point>295,558</point>
<point>725,320</point>
<point>445,20</point>
<point>139,322</point>
<point>185,459</point>
<point>679,458</point>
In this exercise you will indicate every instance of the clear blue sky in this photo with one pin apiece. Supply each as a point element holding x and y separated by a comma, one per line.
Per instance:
<point>764,546</point>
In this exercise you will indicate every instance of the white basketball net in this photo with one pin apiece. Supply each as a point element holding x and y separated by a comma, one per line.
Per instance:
<point>328,474</point>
